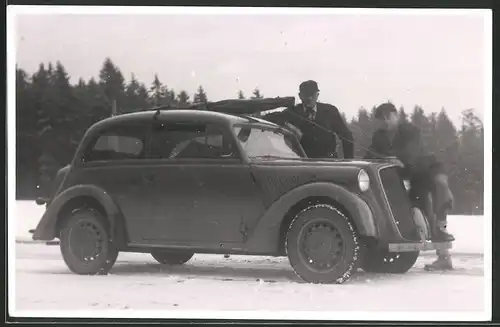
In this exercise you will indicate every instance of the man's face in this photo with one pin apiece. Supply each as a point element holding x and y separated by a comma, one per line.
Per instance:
<point>389,121</point>
<point>309,100</point>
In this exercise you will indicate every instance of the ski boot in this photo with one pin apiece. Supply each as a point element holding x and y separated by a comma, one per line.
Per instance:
<point>442,263</point>
<point>440,233</point>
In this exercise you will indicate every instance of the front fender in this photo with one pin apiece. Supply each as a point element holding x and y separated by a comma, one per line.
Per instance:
<point>46,229</point>
<point>267,232</point>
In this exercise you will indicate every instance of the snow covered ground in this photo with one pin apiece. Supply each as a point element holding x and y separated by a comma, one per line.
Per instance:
<point>211,286</point>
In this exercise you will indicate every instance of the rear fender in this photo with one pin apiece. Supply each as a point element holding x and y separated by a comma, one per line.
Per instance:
<point>266,235</point>
<point>47,227</point>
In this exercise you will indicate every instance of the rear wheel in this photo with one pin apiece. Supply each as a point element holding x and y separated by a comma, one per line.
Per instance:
<point>322,245</point>
<point>383,261</point>
<point>85,243</point>
<point>172,257</point>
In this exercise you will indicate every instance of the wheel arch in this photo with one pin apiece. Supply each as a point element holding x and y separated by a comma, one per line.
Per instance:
<point>268,236</point>
<point>77,197</point>
<point>79,202</point>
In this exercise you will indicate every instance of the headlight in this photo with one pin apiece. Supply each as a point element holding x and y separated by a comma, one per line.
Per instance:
<point>407,184</point>
<point>363,180</point>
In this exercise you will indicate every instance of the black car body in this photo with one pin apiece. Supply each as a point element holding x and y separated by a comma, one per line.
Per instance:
<point>182,181</point>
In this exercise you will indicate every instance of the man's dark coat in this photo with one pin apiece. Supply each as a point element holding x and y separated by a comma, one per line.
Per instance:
<point>318,141</point>
<point>419,167</point>
<point>407,146</point>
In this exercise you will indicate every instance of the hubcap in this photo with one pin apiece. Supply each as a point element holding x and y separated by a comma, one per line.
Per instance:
<point>321,246</point>
<point>85,241</point>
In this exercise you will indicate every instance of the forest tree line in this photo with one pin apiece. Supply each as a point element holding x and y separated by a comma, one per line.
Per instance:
<point>52,115</point>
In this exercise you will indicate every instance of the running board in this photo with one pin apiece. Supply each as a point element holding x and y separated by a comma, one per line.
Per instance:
<point>420,246</point>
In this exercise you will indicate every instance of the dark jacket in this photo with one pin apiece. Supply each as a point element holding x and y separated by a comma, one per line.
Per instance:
<point>407,146</point>
<point>318,142</point>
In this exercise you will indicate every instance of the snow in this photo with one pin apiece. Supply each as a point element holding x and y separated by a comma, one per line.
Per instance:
<point>211,286</point>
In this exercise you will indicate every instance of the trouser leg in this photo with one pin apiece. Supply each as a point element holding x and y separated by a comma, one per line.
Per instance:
<point>443,261</point>
<point>442,202</point>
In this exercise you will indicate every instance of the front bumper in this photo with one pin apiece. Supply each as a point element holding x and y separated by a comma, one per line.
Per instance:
<point>419,246</point>
<point>42,200</point>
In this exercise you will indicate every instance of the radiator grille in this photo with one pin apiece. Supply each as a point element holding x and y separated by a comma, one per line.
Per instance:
<point>399,202</point>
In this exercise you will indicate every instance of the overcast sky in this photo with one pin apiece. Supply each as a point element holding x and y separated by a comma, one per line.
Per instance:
<point>358,60</point>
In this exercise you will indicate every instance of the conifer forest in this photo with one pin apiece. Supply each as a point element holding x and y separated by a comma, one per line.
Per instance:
<point>52,115</point>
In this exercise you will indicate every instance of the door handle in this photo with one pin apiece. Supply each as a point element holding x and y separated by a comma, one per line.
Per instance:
<point>148,179</point>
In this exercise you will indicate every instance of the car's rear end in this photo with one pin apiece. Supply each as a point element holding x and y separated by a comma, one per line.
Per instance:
<point>49,195</point>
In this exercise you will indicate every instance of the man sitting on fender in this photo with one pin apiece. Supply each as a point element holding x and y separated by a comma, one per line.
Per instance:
<point>425,172</point>
<point>316,124</point>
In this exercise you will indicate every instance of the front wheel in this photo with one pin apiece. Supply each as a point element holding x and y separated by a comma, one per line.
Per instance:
<point>85,243</point>
<point>171,257</point>
<point>322,245</point>
<point>383,261</point>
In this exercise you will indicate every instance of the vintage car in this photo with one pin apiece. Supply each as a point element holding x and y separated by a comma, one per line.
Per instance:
<point>213,179</point>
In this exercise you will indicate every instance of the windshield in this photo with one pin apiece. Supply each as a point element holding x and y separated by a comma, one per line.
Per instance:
<point>261,143</point>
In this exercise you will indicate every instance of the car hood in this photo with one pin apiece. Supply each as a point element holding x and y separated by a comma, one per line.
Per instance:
<point>327,162</point>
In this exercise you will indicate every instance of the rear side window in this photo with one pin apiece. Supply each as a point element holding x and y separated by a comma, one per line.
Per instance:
<point>123,143</point>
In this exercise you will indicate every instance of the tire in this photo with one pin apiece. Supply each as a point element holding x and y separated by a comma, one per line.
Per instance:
<point>86,245</point>
<point>383,261</point>
<point>172,258</point>
<point>322,223</point>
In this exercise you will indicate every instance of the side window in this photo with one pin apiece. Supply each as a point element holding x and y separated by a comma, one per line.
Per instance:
<point>125,142</point>
<point>190,140</point>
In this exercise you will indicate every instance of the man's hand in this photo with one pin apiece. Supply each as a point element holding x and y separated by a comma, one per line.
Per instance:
<point>396,161</point>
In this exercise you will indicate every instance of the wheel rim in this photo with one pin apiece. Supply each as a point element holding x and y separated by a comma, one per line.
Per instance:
<point>321,246</point>
<point>86,241</point>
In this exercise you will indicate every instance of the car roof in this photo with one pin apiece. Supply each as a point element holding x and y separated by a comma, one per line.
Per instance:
<point>203,116</point>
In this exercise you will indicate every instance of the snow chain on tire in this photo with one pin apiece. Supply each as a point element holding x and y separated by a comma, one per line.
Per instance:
<point>353,266</point>
<point>112,251</point>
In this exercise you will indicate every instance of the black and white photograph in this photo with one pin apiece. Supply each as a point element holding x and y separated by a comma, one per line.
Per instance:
<point>249,163</point>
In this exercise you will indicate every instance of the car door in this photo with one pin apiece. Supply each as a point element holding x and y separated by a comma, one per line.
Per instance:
<point>204,194</point>
<point>114,162</point>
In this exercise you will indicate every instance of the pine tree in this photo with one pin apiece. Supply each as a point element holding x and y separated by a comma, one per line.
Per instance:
<point>419,119</point>
<point>143,96</point>
<point>98,103</point>
<point>256,94</point>
<point>183,98</point>
<point>67,114</point>
<point>112,83</point>
<point>136,95</point>
<point>171,98</point>
<point>26,141</point>
<point>471,159</point>
<point>200,96</point>
<point>158,92</point>
<point>46,162</point>
<point>362,129</point>
<point>81,83</point>
<point>83,107</point>
<point>432,145</point>
<point>241,95</point>
<point>403,117</point>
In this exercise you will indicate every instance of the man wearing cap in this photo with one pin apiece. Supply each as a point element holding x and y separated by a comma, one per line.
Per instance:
<point>316,124</point>
<point>426,174</point>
